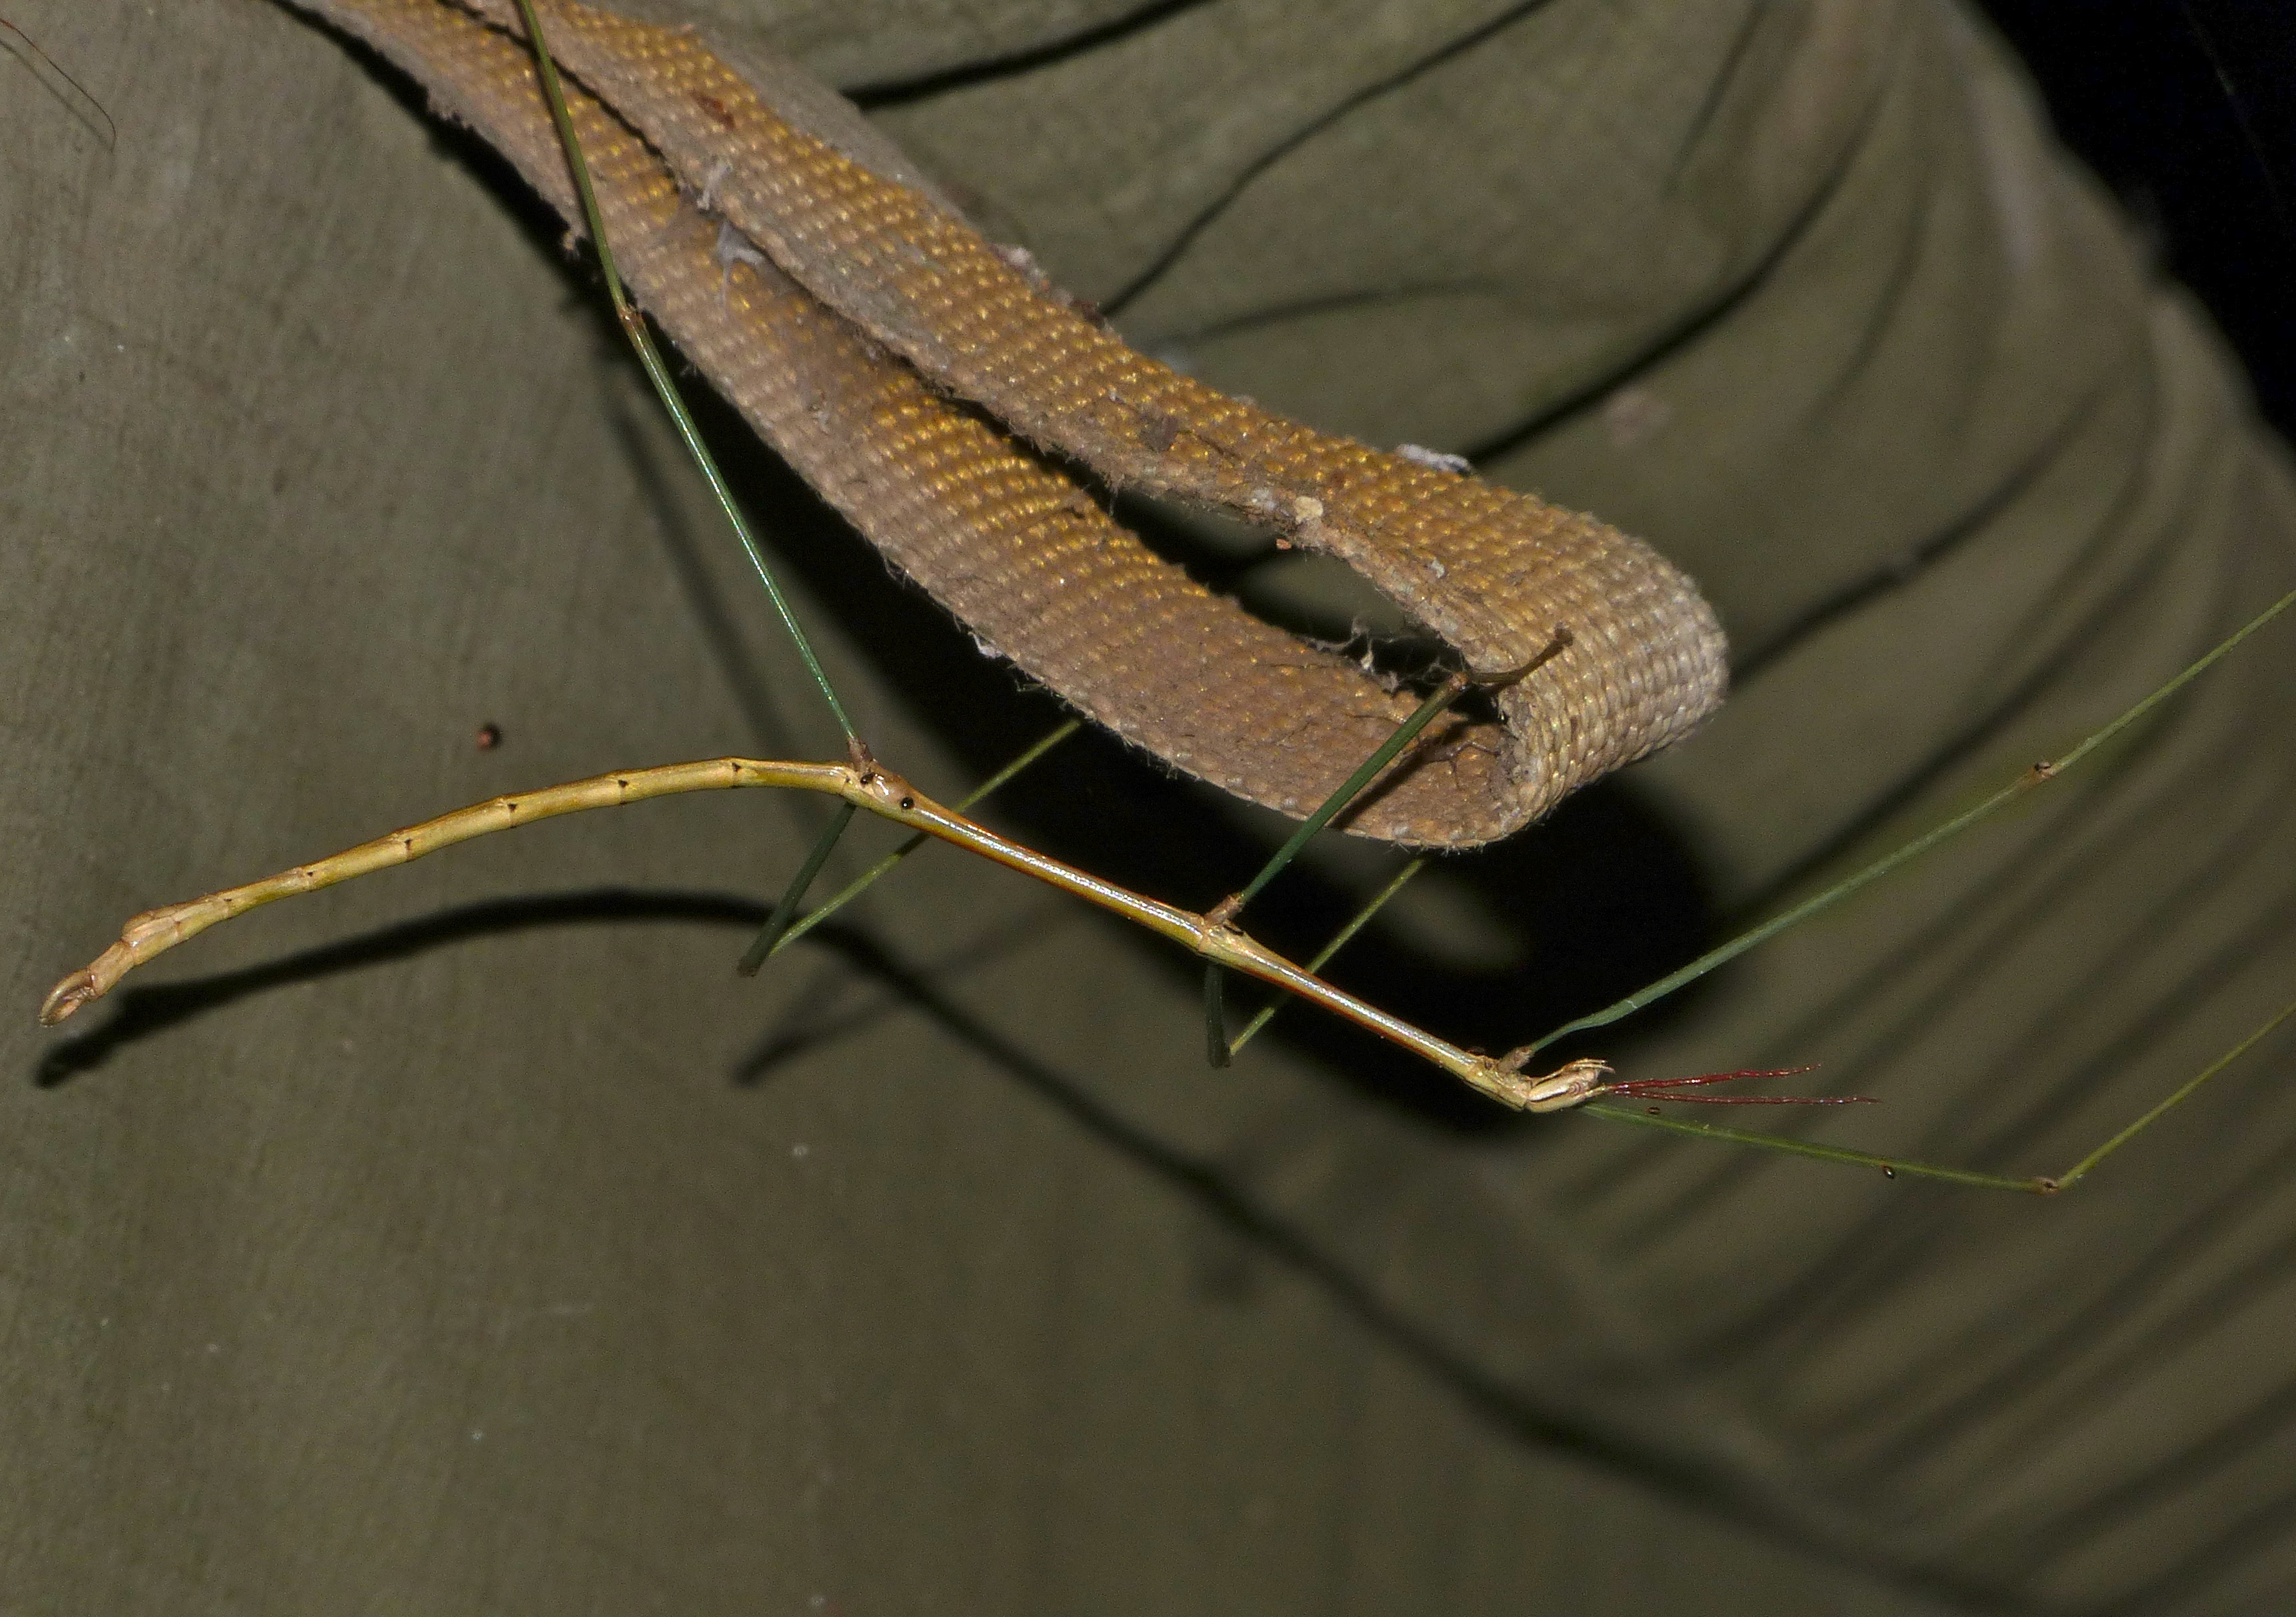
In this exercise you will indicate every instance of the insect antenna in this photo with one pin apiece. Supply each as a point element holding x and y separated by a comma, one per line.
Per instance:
<point>1665,1088</point>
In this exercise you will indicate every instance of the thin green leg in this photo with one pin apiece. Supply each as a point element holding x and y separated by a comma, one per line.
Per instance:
<point>778,921</point>
<point>1324,957</point>
<point>1437,701</point>
<point>1216,1050</point>
<point>1894,1167</point>
<point>1216,1045</point>
<point>2184,1092</point>
<point>2038,775</point>
<point>855,887</point>
<point>633,326</point>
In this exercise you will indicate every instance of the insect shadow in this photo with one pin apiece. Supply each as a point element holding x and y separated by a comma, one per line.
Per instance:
<point>1256,1231</point>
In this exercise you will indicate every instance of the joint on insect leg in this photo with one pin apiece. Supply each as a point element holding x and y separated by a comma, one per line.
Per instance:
<point>1221,916</point>
<point>1571,1084</point>
<point>889,792</point>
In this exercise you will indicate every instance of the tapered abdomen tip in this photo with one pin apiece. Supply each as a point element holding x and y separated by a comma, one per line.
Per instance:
<point>66,996</point>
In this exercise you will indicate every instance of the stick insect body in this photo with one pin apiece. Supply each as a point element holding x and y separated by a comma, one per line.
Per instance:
<point>862,782</point>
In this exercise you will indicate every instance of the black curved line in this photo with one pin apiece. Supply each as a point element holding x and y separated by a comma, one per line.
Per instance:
<point>2235,1437</point>
<point>1718,91</point>
<point>942,81</point>
<point>1695,321</point>
<point>1114,305</point>
<point>1304,309</point>
<point>1897,570</point>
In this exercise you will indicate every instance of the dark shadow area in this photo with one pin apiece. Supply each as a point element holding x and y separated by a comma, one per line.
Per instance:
<point>137,1014</point>
<point>821,1018</point>
<point>1712,1486</point>
<point>2187,110</point>
<point>1707,1485</point>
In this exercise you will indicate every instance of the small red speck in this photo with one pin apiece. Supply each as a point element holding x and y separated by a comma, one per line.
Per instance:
<point>720,114</point>
<point>489,737</point>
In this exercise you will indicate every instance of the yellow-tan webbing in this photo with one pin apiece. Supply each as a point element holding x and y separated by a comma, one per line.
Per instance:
<point>930,390</point>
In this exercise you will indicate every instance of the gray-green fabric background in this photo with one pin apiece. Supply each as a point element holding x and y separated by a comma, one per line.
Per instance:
<point>469,1240</point>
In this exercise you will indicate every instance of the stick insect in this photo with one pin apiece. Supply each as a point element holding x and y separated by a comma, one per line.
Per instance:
<point>278,746</point>
<point>863,782</point>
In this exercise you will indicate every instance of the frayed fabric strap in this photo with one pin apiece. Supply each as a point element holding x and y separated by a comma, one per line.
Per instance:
<point>936,390</point>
